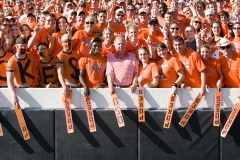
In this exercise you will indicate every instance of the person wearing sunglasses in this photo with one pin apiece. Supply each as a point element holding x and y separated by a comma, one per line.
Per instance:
<point>196,22</point>
<point>82,38</point>
<point>5,27</point>
<point>235,36</point>
<point>117,25</point>
<point>230,63</point>
<point>130,12</point>
<point>194,68</point>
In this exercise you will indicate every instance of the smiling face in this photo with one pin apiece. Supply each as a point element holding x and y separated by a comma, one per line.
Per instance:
<point>143,55</point>
<point>96,48</point>
<point>216,29</point>
<point>205,53</point>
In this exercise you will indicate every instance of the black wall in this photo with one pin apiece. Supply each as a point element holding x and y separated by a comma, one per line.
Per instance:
<point>198,140</point>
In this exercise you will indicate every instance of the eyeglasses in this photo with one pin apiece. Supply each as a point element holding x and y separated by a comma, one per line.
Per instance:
<point>197,22</point>
<point>89,22</point>
<point>129,9</point>
<point>228,46</point>
<point>175,29</point>
<point>122,15</point>
<point>6,25</point>
<point>237,28</point>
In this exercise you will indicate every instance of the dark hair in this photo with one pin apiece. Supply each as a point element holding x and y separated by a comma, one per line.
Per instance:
<point>132,6</point>
<point>232,33</point>
<point>161,45</point>
<point>30,30</point>
<point>51,15</point>
<point>178,39</point>
<point>42,43</point>
<point>5,20</point>
<point>223,13</point>
<point>57,27</point>
<point>101,11</point>
<point>45,13</point>
<point>221,33</point>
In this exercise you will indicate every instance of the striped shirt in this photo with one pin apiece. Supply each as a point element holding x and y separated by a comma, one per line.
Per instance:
<point>122,70</point>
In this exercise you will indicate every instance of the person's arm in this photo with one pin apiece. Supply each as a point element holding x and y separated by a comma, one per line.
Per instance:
<point>82,76</point>
<point>110,84</point>
<point>203,82</point>
<point>11,87</point>
<point>61,78</point>
<point>152,84</point>
<point>181,77</point>
<point>32,39</point>
<point>51,44</point>
<point>219,82</point>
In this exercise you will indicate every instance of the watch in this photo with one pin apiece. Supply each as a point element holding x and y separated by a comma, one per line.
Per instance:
<point>174,84</point>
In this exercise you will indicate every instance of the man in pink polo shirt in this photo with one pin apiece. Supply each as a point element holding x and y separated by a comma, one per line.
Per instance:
<point>122,67</point>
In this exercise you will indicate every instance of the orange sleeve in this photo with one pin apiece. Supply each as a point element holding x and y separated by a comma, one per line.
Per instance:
<point>82,63</point>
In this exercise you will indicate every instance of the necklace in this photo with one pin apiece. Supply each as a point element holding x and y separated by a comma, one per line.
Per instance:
<point>145,66</point>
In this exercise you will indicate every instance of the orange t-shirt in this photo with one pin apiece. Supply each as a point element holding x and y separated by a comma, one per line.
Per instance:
<point>142,27</point>
<point>95,68</point>
<point>192,66</point>
<point>236,42</point>
<point>57,43</point>
<point>168,72</point>
<point>148,73</point>
<point>211,71</point>
<point>230,70</point>
<point>70,62</point>
<point>48,71</point>
<point>107,51</point>
<point>134,49</point>
<point>3,63</point>
<point>75,27</point>
<point>82,42</point>
<point>118,30</point>
<point>99,29</point>
<point>23,69</point>
<point>156,38</point>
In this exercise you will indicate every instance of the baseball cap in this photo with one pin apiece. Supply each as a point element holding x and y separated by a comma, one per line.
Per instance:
<point>66,37</point>
<point>82,4</point>
<point>120,10</point>
<point>143,10</point>
<point>96,39</point>
<point>209,11</point>
<point>153,20</point>
<point>21,40</point>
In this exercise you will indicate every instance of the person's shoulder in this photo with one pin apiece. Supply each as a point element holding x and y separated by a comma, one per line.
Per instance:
<point>130,54</point>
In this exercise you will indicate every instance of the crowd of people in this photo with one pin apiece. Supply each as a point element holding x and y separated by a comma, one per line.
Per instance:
<point>118,43</point>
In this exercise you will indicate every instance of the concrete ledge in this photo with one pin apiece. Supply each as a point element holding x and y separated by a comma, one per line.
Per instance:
<point>155,98</point>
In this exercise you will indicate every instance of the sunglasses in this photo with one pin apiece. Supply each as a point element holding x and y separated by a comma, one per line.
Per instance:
<point>143,14</point>
<point>197,22</point>
<point>122,15</point>
<point>128,9</point>
<point>228,46</point>
<point>237,28</point>
<point>89,22</point>
<point>175,29</point>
